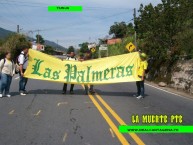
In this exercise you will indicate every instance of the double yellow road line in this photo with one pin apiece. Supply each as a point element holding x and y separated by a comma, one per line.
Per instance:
<point>120,136</point>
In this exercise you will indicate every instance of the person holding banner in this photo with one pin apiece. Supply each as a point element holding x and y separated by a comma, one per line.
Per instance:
<point>7,71</point>
<point>23,62</point>
<point>88,56</point>
<point>141,74</point>
<point>71,57</point>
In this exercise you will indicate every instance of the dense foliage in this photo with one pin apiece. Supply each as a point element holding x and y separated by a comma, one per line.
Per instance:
<point>164,32</point>
<point>121,30</point>
<point>70,49</point>
<point>13,44</point>
<point>166,29</point>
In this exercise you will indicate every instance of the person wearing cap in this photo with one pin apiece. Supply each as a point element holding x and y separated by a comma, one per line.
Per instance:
<point>141,74</point>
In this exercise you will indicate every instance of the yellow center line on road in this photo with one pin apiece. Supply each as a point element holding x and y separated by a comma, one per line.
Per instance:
<point>121,122</point>
<point>109,121</point>
<point>113,127</point>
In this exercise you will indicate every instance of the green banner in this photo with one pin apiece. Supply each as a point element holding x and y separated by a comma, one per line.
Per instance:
<point>155,129</point>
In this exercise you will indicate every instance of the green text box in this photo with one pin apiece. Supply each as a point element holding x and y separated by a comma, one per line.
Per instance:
<point>65,8</point>
<point>155,129</point>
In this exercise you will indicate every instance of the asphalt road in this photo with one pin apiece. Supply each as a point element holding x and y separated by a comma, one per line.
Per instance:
<point>46,117</point>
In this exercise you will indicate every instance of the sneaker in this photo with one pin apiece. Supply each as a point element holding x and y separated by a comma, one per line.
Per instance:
<point>8,95</point>
<point>92,91</point>
<point>140,97</point>
<point>23,94</point>
<point>135,95</point>
<point>1,95</point>
<point>26,92</point>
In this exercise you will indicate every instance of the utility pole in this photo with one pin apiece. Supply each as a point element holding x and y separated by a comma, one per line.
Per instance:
<point>17,28</point>
<point>135,28</point>
<point>30,35</point>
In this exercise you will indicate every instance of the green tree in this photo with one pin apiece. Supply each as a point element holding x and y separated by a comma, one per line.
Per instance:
<point>40,39</point>
<point>14,43</point>
<point>70,49</point>
<point>166,32</point>
<point>119,30</point>
<point>1,42</point>
<point>84,47</point>
<point>102,40</point>
<point>184,38</point>
<point>49,50</point>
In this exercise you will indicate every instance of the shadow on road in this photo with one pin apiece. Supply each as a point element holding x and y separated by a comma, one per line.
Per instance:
<point>78,92</point>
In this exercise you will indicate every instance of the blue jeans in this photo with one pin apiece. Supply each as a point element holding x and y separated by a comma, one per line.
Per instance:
<point>140,88</point>
<point>5,83</point>
<point>22,84</point>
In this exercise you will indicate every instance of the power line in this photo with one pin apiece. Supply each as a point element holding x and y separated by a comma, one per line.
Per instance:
<point>9,10</point>
<point>6,19</point>
<point>28,20</point>
<point>18,4</point>
<point>55,28</point>
<point>8,27</point>
<point>29,4</point>
<point>36,3</point>
<point>21,17</point>
<point>62,27</point>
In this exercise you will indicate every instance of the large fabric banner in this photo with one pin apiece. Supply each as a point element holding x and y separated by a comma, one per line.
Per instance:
<point>115,69</point>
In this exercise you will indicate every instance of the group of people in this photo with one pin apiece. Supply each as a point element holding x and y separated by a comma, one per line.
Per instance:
<point>8,68</point>
<point>141,74</point>
<point>71,57</point>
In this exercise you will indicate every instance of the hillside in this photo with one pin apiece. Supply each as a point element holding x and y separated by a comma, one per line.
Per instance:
<point>55,45</point>
<point>4,33</point>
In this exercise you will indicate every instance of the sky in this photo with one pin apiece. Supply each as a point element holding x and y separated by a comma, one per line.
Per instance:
<point>68,29</point>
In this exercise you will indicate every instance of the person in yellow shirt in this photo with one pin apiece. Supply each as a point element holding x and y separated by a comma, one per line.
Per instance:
<point>141,74</point>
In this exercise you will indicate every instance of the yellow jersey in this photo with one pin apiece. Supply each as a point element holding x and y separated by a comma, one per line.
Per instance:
<point>142,67</point>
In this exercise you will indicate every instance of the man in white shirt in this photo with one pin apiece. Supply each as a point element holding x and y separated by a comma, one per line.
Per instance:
<point>71,57</point>
<point>23,62</point>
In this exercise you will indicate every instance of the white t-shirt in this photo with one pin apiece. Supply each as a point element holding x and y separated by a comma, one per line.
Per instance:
<point>23,60</point>
<point>71,58</point>
<point>7,67</point>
